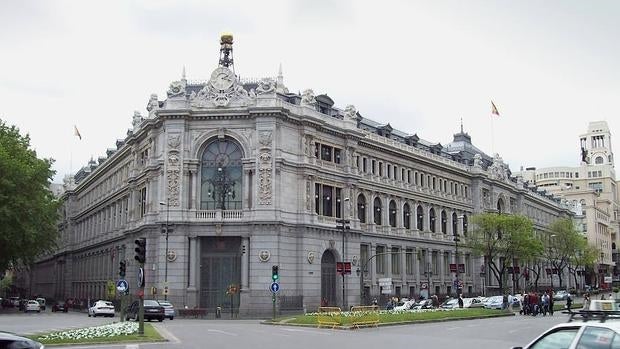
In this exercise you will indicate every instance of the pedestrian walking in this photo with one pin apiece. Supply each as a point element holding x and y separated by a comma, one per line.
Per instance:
<point>569,302</point>
<point>460,300</point>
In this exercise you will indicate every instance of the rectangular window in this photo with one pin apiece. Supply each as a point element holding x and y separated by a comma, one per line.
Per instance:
<point>339,204</point>
<point>357,162</point>
<point>395,261</point>
<point>409,261</point>
<point>328,197</point>
<point>317,198</point>
<point>380,169</point>
<point>365,165</point>
<point>142,202</point>
<point>317,148</point>
<point>389,171</point>
<point>435,262</point>
<point>326,152</point>
<point>364,254</point>
<point>380,259</point>
<point>337,155</point>
<point>374,167</point>
<point>422,262</point>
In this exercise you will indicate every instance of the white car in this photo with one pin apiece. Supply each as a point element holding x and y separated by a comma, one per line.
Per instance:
<point>404,305</point>
<point>32,305</point>
<point>472,303</point>
<point>101,308</point>
<point>598,332</point>
<point>168,309</point>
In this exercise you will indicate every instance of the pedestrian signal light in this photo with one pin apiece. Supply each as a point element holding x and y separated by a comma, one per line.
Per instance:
<point>274,273</point>
<point>140,250</point>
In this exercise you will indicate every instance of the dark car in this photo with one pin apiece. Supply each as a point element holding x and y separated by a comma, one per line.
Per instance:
<point>152,310</point>
<point>60,306</point>
<point>10,341</point>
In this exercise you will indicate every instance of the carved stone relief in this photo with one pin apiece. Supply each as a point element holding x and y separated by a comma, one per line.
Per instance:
<point>176,89</point>
<point>307,97</point>
<point>264,177</point>
<point>173,170</point>
<point>223,89</point>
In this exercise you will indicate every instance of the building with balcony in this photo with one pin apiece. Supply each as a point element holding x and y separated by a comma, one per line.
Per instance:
<point>248,175</point>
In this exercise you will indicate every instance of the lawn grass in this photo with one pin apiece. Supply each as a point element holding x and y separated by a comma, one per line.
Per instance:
<point>150,335</point>
<point>399,317</point>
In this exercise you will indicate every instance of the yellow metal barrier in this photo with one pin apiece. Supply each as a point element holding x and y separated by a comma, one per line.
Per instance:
<point>365,315</point>
<point>329,316</point>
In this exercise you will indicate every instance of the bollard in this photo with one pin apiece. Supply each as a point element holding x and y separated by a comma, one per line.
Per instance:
<point>218,312</point>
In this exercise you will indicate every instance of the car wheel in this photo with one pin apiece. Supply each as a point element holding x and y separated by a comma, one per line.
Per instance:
<point>88,314</point>
<point>172,318</point>
<point>160,319</point>
<point>38,311</point>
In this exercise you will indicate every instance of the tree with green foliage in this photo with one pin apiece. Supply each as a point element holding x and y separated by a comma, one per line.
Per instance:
<point>28,209</point>
<point>561,246</point>
<point>503,240</point>
<point>585,257</point>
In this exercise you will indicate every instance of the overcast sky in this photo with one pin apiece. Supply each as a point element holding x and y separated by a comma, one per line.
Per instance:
<point>549,66</point>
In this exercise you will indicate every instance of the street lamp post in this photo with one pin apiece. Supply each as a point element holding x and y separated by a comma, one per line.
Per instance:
<point>343,224</point>
<point>428,273</point>
<point>166,231</point>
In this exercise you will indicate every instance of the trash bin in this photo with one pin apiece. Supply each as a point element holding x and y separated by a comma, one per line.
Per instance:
<point>218,312</point>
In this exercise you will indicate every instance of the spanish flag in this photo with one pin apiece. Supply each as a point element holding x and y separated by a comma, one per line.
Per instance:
<point>494,109</point>
<point>76,132</point>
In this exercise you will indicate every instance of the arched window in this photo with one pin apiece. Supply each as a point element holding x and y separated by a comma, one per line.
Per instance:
<point>455,224</point>
<point>377,211</point>
<point>599,160</point>
<point>361,208</point>
<point>406,216</point>
<point>420,218</point>
<point>221,176</point>
<point>432,217</point>
<point>392,213</point>
<point>500,206</point>
<point>464,225</point>
<point>444,222</point>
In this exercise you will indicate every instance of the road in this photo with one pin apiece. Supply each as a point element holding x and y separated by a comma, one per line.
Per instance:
<point>188,333</point>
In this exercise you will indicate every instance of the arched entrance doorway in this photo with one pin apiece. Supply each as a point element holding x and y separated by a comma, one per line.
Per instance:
<point>328,278</point>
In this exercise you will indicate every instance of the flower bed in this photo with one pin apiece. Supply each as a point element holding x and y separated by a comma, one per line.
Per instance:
<point>112,330</point>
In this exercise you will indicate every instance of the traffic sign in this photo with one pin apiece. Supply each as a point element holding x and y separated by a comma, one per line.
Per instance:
<point>122,285</point>
<point>275,287</point>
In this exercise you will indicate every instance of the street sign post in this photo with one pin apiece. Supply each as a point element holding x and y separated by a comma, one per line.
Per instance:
<point>275,287</point>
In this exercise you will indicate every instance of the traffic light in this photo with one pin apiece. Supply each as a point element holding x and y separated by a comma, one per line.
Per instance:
<point>274,273</point>
<point>122,267</point>
<point>140,250</point>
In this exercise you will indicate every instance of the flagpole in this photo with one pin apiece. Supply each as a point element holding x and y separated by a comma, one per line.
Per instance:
<point>492,137</point>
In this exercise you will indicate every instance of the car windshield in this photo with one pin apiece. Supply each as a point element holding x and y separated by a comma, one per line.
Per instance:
<point>165,304</point>
<point>151,303</point>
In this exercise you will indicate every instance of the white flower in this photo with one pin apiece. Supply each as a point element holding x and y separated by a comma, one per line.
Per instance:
<point>111,330</point>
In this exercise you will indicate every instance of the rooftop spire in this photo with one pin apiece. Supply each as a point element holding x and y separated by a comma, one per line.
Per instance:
<point>461,125</point>
<point>183,74</point>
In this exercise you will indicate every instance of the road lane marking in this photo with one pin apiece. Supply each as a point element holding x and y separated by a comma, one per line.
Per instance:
<point>132,346</point>
<point>222,332</point>
<point>323,333</point>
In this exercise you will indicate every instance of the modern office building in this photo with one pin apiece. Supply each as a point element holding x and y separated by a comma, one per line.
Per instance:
<point>248,176</point>
<point>592,190</point>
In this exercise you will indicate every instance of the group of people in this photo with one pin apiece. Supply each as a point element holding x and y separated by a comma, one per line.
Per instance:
<point>539,303</point>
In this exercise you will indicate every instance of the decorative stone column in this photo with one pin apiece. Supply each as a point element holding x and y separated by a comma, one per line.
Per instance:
<point>192,289</point>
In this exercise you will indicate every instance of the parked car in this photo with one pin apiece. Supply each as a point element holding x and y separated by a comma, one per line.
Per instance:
<point>450,304</point>
<point>168,309</point>
<point>472,303</point>
<point>404,305</point>
<point>41,303</point>
<point>32,305</point>
<point>60,306</point>
<point>495,302</point>
<point>10,340</point>
<point>596,331</point>
<point>101,308</point>
<point>152,310</point>
<point>14,301</point>
<point>423,304</point>
<point>561,295</point>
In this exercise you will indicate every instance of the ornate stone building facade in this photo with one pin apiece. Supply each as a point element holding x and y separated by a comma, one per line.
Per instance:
<point>249,176</point>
